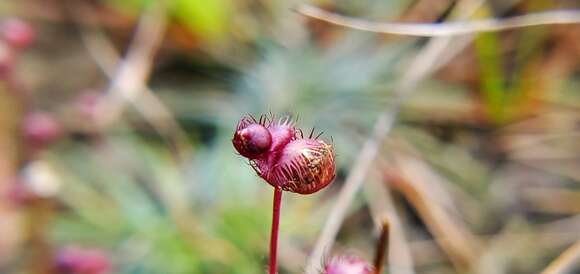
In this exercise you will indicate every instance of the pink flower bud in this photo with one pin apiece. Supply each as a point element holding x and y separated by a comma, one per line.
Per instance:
<point>17,33</point>
<point>40,129</point>
<point>279,156</point>
<point>347,265</point>
<point>77,260</point>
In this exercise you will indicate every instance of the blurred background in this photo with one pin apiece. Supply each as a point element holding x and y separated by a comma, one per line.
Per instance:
<point>116,119</point>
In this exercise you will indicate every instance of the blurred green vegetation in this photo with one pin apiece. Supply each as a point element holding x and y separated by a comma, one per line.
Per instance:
<point>499,124</point>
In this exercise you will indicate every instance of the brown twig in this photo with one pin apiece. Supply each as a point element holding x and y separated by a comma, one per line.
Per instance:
<point>382,248</point>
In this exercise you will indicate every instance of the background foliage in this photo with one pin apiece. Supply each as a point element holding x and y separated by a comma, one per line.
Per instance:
<point>491,137</point>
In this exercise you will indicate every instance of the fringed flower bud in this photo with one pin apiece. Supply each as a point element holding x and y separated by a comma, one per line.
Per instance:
<point>285,160</point>
<point>347,265</point>
<point>283,132</point>
<point>305,166</point>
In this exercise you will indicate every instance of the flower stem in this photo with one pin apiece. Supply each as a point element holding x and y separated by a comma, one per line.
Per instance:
<point>274,232</point>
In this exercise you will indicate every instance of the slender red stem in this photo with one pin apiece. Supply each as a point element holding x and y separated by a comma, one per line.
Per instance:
<point>274,232</point>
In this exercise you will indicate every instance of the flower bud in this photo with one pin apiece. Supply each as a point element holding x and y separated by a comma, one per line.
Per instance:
<point>305,166</point>
<point>284,160</point>
<point>347,265</point>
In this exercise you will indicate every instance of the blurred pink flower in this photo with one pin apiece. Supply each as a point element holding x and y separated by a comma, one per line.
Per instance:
<point>40,129</point>
<point>77,260</point>
<point>17,33</point>
<point>347,265</point>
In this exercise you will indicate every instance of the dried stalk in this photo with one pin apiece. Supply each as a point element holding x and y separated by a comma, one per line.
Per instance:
<point>382,248</point>
<point>566,263</point>
<point>447,28</point>
<point>456,240</point>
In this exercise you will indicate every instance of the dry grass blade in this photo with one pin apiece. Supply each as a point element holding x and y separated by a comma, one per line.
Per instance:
<point>563,168</point>
<point>290,254</point>
<point>562,226</point>
<point>567,263</point>
<point>129,79</point>
<point>444,29</point>
<point>456,240</point>
<point>552,199</point>
<point>426,61</point>
<point>501,249</point>
<point>383,208</point>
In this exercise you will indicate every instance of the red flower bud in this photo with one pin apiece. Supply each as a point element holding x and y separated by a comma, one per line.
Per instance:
<point>347,265</point>
<point>305,166</point>
<point>279,156</point>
